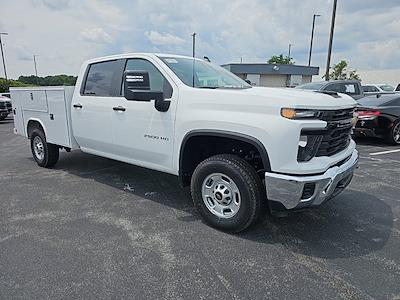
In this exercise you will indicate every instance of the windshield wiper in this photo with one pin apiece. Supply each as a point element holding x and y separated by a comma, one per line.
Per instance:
<point>208,87</point>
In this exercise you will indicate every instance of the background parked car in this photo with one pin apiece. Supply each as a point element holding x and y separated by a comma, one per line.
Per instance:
<point>379,116</point>
<point>6,95</point>
<point>5,107</point>
<point>373,89</point>
<point>350,87</point>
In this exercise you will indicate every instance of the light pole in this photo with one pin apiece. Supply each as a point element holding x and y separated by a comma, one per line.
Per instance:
<point>328,61</point>
<point>290,48</point>
<point>194,44</point>
<point>34,62</point>
<point>312,38</point>
<point>2,54</point>
<point>194,54</point>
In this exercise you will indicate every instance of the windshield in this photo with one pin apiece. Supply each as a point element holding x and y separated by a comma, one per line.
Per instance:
<point>315,86</point>
<point>205,75</point>
<point>387,88</point>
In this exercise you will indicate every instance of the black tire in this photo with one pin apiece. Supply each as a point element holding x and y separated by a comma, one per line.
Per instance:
<point>248,183</point>
<point>391,137</point>
<point>50,151</point>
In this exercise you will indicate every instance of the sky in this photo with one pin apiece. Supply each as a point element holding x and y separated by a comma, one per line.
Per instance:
<point>64,33</point>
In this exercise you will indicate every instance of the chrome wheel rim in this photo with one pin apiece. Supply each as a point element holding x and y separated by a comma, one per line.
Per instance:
<point>221,195</point>
<point>396,133</point>
<point>38,147</point>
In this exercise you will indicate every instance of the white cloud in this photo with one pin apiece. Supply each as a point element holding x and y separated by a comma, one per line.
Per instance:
<point>96,35</point>
<point>163,39</point>
<point>66,32</point>
<point>56,4</point>
<point>23,53</point>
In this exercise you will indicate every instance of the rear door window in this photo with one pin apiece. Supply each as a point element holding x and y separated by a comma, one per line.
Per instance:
<point>99,80</point>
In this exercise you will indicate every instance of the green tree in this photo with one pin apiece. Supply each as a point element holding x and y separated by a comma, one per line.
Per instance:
<point>339,72</point>
<point>281,60</point>
<point>49,80</point>
<point>6,84</point>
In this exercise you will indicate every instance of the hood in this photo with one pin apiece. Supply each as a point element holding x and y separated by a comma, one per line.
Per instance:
<point>295,98</point>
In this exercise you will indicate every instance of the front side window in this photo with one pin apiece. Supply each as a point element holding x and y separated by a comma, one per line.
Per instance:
<point>157,80</point>
<point>202,74</point>
<point>99,79</point>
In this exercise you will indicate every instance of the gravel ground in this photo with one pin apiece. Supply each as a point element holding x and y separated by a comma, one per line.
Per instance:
<point>99,229</point>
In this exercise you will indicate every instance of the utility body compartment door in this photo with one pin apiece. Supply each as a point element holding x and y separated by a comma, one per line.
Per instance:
<point>57,131</point>
<point>48,106</point>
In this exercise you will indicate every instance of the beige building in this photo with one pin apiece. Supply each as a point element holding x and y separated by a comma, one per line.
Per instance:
<point>273,75</point>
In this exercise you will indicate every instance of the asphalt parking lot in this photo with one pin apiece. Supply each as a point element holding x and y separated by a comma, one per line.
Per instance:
<point>96,228</point>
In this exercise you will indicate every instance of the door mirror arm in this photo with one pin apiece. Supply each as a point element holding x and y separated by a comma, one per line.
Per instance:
<point>162,105</point>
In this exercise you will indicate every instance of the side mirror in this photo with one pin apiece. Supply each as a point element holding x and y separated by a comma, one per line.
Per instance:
<point>137,88</point>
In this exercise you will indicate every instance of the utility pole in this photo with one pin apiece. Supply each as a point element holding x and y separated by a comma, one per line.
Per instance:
<point>312,38</point>
<point>2,54</point>
<point>34,62</point>
<point>194,54</point>
<point>290,48</point>
<point>328,61</point>
<point>194,44</point>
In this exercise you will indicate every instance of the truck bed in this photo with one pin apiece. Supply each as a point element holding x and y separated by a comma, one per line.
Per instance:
<point>50,106</point>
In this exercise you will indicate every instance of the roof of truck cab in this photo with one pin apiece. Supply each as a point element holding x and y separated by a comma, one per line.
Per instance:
<point>133,54</point>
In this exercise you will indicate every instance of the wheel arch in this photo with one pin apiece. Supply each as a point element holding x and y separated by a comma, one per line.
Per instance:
<point>35,123</point>
<point>240,137</point>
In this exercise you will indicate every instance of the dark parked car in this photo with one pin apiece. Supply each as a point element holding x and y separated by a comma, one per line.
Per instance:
<point>379,116</point>
<point>349,87</point>
<point>5,107</point>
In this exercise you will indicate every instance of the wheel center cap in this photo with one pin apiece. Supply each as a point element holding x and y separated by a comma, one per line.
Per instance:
<point>218,195</point>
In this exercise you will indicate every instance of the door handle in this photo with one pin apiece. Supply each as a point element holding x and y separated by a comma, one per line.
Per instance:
<point>119,108</point>
<point>77,105</point>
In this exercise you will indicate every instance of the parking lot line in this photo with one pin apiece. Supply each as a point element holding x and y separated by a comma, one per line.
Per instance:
<point>385,152</point>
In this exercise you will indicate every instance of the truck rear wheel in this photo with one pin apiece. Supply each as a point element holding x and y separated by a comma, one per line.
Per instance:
<point>227,192</point>
<point>45,154</point>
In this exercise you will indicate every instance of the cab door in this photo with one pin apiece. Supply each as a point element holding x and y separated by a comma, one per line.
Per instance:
<point>143,135</point>
<point>92,107</point>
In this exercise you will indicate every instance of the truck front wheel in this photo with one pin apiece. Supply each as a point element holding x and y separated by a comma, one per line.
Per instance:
<point>45,154</point>
<point>227,192</point>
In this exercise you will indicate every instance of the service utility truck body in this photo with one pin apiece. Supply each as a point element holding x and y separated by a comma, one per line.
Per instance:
<point>238,147</point>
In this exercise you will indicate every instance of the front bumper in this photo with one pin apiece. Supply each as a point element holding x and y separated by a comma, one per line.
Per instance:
<point>295,191</point>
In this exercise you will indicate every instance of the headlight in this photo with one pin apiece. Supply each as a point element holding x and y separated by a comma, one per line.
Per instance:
<point>294,114</point>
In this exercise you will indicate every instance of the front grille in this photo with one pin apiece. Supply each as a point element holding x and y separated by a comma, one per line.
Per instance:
<point>337,134</point>
<point>2,105</point>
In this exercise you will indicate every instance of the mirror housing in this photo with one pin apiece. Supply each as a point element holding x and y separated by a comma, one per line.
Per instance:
<point>137,88</point>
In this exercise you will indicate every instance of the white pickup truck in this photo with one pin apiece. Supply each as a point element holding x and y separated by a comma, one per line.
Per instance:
<point>239,147</point>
